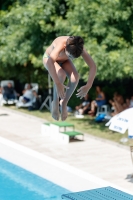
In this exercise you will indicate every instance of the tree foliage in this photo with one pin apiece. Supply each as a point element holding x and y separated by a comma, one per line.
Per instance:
<point>28,27</point>
<point>25,31</point>
<point>107,27</point>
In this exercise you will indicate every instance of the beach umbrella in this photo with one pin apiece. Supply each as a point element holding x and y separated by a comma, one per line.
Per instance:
<point>122,122</point>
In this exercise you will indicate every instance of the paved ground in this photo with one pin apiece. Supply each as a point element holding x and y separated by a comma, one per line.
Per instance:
<point>101,158</point>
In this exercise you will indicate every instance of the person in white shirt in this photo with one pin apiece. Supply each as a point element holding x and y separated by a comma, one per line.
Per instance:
<point>84,107</point>
<point>28,94</point>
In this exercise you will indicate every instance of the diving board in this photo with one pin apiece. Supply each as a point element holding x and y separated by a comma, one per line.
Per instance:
<point>105,193</point>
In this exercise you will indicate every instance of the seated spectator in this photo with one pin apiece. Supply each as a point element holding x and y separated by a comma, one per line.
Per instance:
<point>35,102</point>
<point>98,102</point>
<point>131,102</point>
<point>118,103</point>
<point>27,94</point>
<point>84,107</point>
<point>128,103</point>
<point>8,92</point>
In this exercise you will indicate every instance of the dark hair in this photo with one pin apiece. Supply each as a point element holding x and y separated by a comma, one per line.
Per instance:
<point>74,46</point>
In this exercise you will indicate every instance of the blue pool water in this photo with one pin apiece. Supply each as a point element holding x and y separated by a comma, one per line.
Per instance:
<point>19,184</point>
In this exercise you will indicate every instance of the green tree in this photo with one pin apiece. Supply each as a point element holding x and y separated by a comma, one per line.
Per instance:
<point>107,27</point>
<point>5,4</point>
<point>28,26</point>
<point>26,29</point>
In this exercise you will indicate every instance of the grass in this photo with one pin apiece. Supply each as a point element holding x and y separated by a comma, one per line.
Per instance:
<point>86,125</point>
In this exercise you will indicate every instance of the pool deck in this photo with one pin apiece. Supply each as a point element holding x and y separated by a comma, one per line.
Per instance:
<point>100,158</point>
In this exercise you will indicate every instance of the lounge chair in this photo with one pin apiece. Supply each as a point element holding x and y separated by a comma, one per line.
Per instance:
<point>2,100</point>
<point>20,103</point>
<point>106,193</point>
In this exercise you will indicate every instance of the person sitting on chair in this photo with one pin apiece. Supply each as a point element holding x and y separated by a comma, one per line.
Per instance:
<point>118,104</point>
<point>129,102</point>
<point>9,92</point>
<point>35,102</point>
<point>98,102</point>
<point>27,94</point>
<point>84,107</point>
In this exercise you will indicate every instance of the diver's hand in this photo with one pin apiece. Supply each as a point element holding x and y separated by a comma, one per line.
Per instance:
<point>60,90</point>
<point>82,92</point>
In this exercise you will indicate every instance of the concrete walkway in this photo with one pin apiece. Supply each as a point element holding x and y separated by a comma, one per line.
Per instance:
<point>103,159</point>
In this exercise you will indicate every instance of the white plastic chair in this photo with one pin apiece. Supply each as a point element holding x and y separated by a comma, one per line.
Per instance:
<point>35,86</point>
<point>5,82</point>
<point>105,109</point>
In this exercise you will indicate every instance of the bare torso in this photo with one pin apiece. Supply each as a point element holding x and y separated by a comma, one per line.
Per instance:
<point>62,55</point>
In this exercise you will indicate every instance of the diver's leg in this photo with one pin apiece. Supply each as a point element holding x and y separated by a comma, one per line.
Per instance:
<point>73,77</point>
<point>55,103</point>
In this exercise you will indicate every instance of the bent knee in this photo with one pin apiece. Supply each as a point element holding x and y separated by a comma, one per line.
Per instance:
<point>77,76</point>
<point>74,77</point>
<point>93,102</point>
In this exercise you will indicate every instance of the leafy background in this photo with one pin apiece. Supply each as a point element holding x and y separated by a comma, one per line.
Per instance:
<point>27,27</point>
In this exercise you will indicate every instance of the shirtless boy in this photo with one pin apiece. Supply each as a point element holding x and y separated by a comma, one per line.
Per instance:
<point>58,61</point>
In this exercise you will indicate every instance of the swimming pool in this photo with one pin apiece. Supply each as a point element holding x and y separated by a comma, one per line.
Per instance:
<point>17,183</point>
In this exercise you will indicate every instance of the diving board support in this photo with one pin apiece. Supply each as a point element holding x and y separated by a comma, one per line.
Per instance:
<point>61,131</point>
<point>45,129</point>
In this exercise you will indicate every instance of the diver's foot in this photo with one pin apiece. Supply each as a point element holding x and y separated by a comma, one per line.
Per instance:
<point>63,110</point>
<point>55,110</point>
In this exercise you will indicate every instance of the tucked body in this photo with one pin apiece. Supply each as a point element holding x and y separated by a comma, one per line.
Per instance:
<point>58,61</point>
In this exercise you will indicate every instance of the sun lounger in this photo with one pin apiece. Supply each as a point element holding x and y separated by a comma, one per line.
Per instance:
<point>106,193</point>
